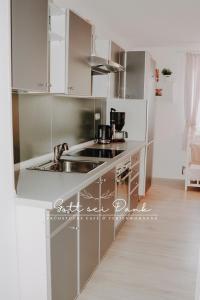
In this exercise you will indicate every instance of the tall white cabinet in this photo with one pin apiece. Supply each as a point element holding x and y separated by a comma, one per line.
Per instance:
<point>139,81</point>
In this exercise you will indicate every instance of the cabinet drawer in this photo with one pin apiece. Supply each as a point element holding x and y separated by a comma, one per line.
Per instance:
<point>135,170</point>
<point>135,158</point>
<point>57,218</point>
<point>134,183</point>
<point>134,198</point>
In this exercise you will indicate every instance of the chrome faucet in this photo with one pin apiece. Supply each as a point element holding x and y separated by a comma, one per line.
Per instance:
<point>58,151</point>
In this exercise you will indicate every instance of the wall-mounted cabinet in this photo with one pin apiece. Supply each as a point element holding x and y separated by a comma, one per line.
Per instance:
<point>70,72</point>
<point>117,79</point>
<point>135,75</point>
<point>130,84</point>
<point>30,45</point>
<point>50,49</point>
<point>110,85</point>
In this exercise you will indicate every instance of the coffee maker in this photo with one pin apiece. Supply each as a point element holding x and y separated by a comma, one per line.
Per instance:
<point>117,122</point>
<point>104,134</point>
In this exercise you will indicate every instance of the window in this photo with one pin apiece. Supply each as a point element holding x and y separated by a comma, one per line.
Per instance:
<point>192,96</point>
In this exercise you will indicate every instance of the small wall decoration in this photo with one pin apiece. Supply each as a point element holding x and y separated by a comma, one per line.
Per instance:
<point>157,75</point>
<point>166,72</point>
<point>164,84</point>
<point>159,92</point>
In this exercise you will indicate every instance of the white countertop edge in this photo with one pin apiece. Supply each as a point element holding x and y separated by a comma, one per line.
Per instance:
<point>33,203</point>
<point>92,176</point>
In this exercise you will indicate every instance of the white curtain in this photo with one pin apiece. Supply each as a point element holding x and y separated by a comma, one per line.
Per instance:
<point>192,96</point>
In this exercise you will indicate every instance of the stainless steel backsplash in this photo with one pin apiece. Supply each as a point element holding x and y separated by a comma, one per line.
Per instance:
<point>42,121</point>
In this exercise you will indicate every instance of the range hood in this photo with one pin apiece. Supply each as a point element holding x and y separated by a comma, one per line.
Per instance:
<point>102,66</point>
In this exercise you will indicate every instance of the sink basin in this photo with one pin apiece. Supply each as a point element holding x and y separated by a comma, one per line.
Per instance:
<point>68,166</point>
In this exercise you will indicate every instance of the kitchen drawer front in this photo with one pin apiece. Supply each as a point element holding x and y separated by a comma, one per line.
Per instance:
<point>134,199</point>
<point>134,183</point>
<point>135,170</point>
<point>135,158</point>
<point>58,218</point>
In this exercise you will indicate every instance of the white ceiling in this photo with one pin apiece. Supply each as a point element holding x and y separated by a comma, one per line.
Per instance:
<point>143,23</point>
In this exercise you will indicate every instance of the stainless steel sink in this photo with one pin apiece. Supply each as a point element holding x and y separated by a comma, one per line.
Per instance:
<point>68,166</point>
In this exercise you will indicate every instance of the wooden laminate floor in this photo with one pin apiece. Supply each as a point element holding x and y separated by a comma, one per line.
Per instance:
<point>153,259</point>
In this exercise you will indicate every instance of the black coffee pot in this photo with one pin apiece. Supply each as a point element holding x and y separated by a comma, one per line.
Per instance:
<point>104,134</point>
<point>117,118</point>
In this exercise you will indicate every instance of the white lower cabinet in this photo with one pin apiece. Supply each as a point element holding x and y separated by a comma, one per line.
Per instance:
<point>58,252</point>
<point>107,218</point>
<point>64,265</point>
<point>89,232</point>
<point>77,245</point>
<point>63,253</point>
<point>135,180</point>
<point>96,227</point>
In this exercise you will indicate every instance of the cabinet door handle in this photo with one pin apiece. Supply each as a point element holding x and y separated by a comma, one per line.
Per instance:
<point>74,227</point>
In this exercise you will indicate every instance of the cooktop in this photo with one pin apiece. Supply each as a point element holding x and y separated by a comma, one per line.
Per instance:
<point>93,152</point>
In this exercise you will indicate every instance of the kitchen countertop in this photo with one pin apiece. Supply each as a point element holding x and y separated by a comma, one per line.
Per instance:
<point>43,189</point>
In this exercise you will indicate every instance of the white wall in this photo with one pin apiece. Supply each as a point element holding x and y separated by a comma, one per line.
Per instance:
<point>169,157</point>
<point>8,255</point>
<point>169,123</point>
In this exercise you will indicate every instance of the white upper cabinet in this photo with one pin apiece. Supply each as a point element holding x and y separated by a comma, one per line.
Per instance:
<point>140,79</point>
<point>117,79</point>
<point>50,49</point>
<point>30,45</point>
<point>70,48</point>
<point>110,85</point>
<point>135,74</point>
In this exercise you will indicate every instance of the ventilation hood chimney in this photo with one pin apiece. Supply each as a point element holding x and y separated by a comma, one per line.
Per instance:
<point>100,65</point>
